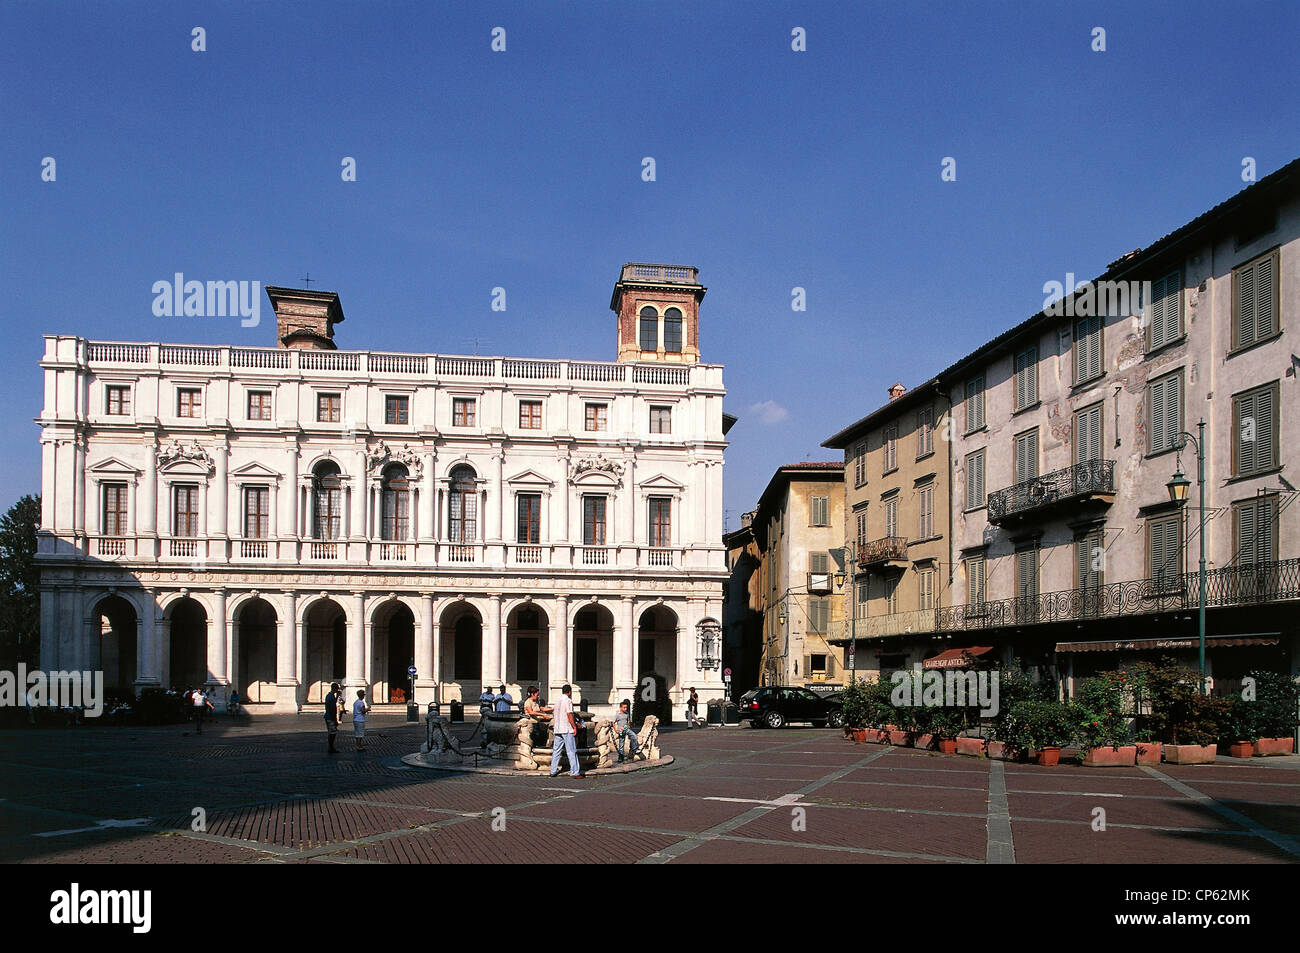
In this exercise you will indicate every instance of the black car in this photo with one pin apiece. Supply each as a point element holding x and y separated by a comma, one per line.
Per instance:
<point>775,706</point>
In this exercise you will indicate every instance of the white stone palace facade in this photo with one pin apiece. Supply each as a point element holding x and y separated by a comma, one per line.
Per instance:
<point>270,519</point>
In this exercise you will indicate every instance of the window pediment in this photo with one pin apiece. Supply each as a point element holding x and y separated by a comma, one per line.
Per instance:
<point>661,483</point>
<point>254,471</point>
<point>528,479</point>
<point>113,467</point>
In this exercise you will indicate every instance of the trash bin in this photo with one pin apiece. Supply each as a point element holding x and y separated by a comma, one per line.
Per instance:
<point>713,715</point>
<point>412,711</point>
<point>731,714</point>
<point>456,713</point>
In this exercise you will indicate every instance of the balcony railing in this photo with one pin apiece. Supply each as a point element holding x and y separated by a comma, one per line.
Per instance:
<point>528,555</point>
<point>110,546</point>
<point>462,553</point>
<point>317,550</point>
<point>897,623</point>
<point>1091,480</point>
<point>659,557</point>
<point>883,551</point>
<point>595,556</point>
<point>253,549</point>
<point>394,552</point>
<point>1253,584</point>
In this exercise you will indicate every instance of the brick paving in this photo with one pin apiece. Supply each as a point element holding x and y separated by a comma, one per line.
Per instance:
<point>271,794</point>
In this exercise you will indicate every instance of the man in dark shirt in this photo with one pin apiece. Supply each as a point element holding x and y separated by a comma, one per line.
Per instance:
<point>332,714</point>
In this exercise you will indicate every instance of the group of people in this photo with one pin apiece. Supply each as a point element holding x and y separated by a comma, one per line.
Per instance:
<point>336,711</point>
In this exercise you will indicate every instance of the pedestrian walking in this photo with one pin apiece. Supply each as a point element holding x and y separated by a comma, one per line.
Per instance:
<point>693,709</point>
<point>359,709</point>
<point>566,734</point>
<point>332,714</point>
<point>623,729</point>
<point>199,702</point>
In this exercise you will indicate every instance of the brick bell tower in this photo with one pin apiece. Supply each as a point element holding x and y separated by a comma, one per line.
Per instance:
<point>658,308</point>
<point>305,319</point>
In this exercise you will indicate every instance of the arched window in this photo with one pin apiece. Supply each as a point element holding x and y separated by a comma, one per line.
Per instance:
<point>327,501</point>
<point>396,503</point>
<point>673,331</point>
<point>649,329</point>
<point>462,506</point>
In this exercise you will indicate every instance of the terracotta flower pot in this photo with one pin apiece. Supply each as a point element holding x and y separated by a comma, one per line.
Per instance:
<point>948,745</point>
<point>970,746</point>
<point>1266,747</point>
<point>997,750</point>
<point>1241,749</point>
<point>897,737</point>
<point>879,736</point>
<point>1149,752</point>
<point>1049,755</point>
<point>1106,757</point>
<point>860,735</point>
<point>925,742</point>
<point>1190,754</point>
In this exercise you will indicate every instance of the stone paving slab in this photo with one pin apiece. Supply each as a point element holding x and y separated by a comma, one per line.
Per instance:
<point>680,815</point>
<point>897,831</point>
<point>1045,842</point>
<point>1168,812</point>
<point>860,794</point>
<point>732,850</point>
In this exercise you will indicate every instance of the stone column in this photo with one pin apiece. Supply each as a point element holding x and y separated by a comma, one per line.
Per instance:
<point>286,655</point>
<point>356,677</point>
<point>49,657</point>
<point>437,661</point>
<point>424,649</point>
<point>428,493</point>
<point>625,648</point>
<point>559,644</point>
<point>491,652</point>
<point>359,529</point>
<point>627,527</point>
<point>78,488</point>
<point>496,498</point>
<point>563,493</point>
<point>146,644</point>
<point>218,653</point>
<point>289,522</point>
<point>220,507</point>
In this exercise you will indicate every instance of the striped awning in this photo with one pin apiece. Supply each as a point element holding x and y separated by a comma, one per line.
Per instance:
<point>956,658</point>
<point>1155,645</point>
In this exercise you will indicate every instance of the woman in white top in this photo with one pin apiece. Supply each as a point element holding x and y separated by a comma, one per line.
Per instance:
<point>359,709</point>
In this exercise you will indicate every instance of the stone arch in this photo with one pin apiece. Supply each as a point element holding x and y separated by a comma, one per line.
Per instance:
<point>325,625</point>
<point>393,625</point>
<point>253,655</point>
<point>528,645</point>
<point>115,647</point>
<point>591,668</point>
<point>657,632</point>
<point>460,630</point>
<point>187,642</point>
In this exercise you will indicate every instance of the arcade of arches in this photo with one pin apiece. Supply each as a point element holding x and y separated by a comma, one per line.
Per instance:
<point>458,645</point>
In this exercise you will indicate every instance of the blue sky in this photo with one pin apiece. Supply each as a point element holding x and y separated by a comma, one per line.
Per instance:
<point>522,169</point>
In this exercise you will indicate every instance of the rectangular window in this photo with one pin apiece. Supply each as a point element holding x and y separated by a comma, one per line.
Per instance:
<point>186,519</point>
<point>597,417</point>
<point>1255,529</point>
<point>864,594</point>
<point>1026,455</point>
<point>1165,311</point>
<point>672,332</point>
<point>891,449</point>
<point>660,522</point>
<point>975,497</point>
<point>1165,552</point>
<point>891,516</point>
<point>530,415</point>
<point>924,432</point>
<point>395,510</point>
<point>259,405</point>
<point>584,660</point>
<point>1087,349</point>
<point>975,594</point>
<point>189,402</point>
<point>1255,431</point>
<point>891,594</point>
<point>462,412</point>
<point>819,614</point>
<point>1087,434</point>
<point>1254,301</point>
<point>1165,411</point>
<point>396,409</point>
<point>115,512</point>
<point>817,665</point>
<point>257,512</point>
<point>821,511</point>
<point>117,401</point>
<point>975,404</point>
<point>925,501</point>
<point>329,408</point>
<point>1089,560</point>
<point>526,656</point>
<point>925,589</point>
<point>860,463</point>
<point>1026,574</point>
<point>1027,378</point>
<point>862,528</point>
<point>528,525</point>
<point>593,521</point>
<point>661,420</point>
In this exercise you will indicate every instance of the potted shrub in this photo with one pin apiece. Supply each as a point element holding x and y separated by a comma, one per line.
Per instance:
<point>1100,722</point>
<point>1274,712</point>
<point>945,725</point>
<point>1015,685</point>
<point>1240,728</point>
<point>1040,727</point>
<point>854,712</point>
<point>1186,721</point>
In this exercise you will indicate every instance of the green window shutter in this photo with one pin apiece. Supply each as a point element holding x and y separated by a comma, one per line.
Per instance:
<point>818,563</point>
<point>1166,310</point>
<point>1087,348</point>
<point>1246,448</point>
<point>1265,426</point>
<point>1026,456</point>
<point>975,480</point>
<point>975,580</point>
<point>1087,435</point>
<point>1255,301</point>
<point>1027,573</point>
<point>1245,529</point>
<point>1265,297</point>
<point>1085,551</point>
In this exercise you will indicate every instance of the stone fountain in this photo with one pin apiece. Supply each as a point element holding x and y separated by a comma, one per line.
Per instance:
<point>518,742</point>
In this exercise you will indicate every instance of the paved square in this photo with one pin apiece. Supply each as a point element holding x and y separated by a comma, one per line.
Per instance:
<point>267,792</point>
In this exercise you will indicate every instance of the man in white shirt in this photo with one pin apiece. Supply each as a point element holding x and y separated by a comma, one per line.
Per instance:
<point>566,734</point>
<point>359,709</point>
<point>201,705</point>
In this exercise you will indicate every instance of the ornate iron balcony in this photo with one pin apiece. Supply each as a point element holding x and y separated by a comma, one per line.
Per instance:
<point>878,552</point>
<point>1083,482</point>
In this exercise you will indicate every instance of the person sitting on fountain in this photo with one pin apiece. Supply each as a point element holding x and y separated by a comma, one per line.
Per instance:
<point>623,729</point>
<point>504,701</point>
<point>534,708</point>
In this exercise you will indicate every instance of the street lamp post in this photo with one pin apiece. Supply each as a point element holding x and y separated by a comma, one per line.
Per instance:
<point>848,573</point>
<point>1177,487</point>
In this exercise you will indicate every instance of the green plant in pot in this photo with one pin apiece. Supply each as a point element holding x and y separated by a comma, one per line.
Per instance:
<point>855,709</point>
<point>1274,706</point>
<point>946,724</point>
<point>1042,726</point>
<point>1100,721</point>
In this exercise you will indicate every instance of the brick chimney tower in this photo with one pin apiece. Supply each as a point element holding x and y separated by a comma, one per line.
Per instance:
<point>658,308</point>
<point>305,319</point>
